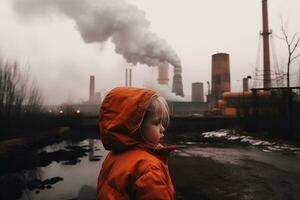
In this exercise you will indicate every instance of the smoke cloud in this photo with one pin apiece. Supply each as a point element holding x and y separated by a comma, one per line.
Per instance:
<point>101,20</point>
<point>164,91</point>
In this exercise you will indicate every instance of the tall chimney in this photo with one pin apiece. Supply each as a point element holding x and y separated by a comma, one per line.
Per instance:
<point>126,77</point>
<point>266,45</point>
<point>92,89</point>
<point>130,77</point>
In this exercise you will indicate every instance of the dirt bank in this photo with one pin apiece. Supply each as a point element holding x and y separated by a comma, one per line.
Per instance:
<point>204,178</point>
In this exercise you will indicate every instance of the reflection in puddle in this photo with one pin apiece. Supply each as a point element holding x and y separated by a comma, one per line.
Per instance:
<point>79,180</point>
<point>92,156</point>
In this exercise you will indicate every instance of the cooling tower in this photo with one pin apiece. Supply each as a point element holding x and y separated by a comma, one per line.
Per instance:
<point>220,76</point>
<point>197,92</point>
<point>177,87</point>
<point>163,74</point>
<point>92,88</point>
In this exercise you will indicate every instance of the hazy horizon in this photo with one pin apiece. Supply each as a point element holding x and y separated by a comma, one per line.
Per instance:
<point>61,61</point>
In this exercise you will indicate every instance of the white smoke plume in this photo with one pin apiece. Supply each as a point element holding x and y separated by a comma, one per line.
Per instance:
<point>101,20</point>
<point>164,91</point>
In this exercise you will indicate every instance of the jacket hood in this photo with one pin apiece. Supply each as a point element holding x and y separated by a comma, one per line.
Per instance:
<point>121,115</point>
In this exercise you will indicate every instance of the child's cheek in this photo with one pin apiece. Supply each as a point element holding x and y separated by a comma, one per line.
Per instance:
<point>152,137</point>
<point>156,138</point>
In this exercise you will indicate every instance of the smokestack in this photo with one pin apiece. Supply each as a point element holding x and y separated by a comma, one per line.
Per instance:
<point>197,92</point>
<point>103,20</point>
<point>130,75</point>
<point>220,76</point>
<point>126,78</point>
<point>177,87</point>
<point>92,89</point>
<point>266,45</point>
<point>163,74</point>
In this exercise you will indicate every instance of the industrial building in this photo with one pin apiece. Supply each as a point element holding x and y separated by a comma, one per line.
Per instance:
<point>89,107</point>
<point>184,109</point>
<point>245,84</point>
<point>197,92</point>
<point>224,100</point>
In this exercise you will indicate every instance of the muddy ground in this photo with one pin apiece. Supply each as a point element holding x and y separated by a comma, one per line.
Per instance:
<point>233,166</point>
<point>226,166</point>
<point>204,178</point>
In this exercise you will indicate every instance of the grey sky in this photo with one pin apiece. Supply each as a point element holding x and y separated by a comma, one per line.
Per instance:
<point>61,61</point>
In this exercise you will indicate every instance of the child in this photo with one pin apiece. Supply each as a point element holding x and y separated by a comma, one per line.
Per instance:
<point>132,122</point>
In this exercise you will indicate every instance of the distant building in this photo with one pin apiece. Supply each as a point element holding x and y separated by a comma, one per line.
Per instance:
<point>178,108</point>
<point>245,84</point>
<point>197,92</point>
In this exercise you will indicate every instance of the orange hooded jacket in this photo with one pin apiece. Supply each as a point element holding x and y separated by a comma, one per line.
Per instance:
<point>132,169</point>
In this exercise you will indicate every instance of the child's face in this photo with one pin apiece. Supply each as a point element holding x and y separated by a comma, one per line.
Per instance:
<point>153,129</point>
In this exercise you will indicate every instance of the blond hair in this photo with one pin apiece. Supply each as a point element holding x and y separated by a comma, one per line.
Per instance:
<point>158,105</point>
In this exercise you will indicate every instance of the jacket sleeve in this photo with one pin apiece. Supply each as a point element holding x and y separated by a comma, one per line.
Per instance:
<point>153,185</point>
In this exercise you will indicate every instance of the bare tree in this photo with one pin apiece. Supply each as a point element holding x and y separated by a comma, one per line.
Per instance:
<point>292,45</point>
<point>34,101</point>
<point>18,93</point>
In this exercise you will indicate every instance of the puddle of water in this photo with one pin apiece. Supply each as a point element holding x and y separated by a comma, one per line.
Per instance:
<point>79,181</point>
